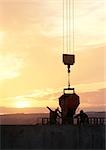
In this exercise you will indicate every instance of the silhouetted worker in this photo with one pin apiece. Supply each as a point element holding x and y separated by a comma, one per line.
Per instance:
<point>53,115</point>
<point>83,117</point>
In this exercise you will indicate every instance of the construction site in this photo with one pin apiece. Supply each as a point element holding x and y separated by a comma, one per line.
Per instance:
<point>63,128</point>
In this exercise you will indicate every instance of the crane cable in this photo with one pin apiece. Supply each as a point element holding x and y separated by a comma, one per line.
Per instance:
<point>68,26</point>
<point>73,26</point>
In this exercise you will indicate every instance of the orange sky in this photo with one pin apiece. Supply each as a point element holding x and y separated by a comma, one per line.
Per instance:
<point>31,69</point>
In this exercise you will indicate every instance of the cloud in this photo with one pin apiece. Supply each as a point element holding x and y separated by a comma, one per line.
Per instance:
<point>45,18</point>
<point>94,97</point>
<point>89,66</point>
<point>10,66</point>
<point>89,101</point>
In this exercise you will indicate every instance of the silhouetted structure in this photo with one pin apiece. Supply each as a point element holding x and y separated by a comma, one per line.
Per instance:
<point>68,103</point>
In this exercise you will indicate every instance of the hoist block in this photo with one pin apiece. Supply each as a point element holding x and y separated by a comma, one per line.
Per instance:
<point>68,59</point>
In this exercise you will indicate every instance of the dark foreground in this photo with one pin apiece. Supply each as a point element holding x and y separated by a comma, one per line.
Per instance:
<point>52,137</point>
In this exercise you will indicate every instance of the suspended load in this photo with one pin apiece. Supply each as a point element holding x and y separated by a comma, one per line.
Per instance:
<point>68,102</point>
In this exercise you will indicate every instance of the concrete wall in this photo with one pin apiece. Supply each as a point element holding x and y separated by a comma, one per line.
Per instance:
<point>53,137</point>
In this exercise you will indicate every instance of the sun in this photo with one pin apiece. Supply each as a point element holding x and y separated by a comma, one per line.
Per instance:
<point>22,104</point>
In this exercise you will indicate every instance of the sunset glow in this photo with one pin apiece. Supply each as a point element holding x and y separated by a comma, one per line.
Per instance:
<point>22,104</point>
<point>31,51</point>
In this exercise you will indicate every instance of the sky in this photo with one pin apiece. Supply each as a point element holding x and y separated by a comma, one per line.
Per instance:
<point>31,70</point>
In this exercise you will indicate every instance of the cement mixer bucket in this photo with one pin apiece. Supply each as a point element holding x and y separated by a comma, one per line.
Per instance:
<point>68,102</point>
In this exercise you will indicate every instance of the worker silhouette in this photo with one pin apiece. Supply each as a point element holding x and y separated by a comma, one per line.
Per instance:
<point>53,115</point>
<point>82,117</point>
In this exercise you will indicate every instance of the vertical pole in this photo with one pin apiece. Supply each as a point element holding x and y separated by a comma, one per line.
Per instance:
<point>68,76</point>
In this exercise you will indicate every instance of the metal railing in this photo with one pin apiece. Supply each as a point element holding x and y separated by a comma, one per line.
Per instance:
<point>91,121</point>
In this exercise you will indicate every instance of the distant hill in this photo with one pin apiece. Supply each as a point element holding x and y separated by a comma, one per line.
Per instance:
<point>97,114</point>
<point>22,118</point>
<point>28,119</point>
<point>11,110</point>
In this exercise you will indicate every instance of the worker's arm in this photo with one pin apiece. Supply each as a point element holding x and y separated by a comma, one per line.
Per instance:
<point>48,108</point>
